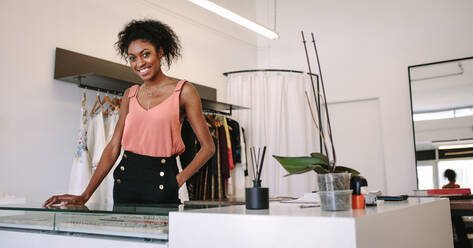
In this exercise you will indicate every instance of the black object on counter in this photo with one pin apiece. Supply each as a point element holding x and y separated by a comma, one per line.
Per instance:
<point>392,197</point>
<point>357,199</point>
<point>257,198</point>
<point>356,182</point>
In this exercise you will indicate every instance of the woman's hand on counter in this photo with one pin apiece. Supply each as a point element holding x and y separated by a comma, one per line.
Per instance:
<point>65,199</point>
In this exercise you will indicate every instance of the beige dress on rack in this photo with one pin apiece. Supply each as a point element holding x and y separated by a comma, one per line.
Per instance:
<point>96,144</point>
<point>107,183</point>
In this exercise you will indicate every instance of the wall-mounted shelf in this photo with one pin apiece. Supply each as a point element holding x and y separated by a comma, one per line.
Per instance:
<point>220,107</point>
<point>102,75</point>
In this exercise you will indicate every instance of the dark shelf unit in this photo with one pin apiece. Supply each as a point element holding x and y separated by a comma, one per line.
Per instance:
<point>220,107</point>
<point>105,76</point>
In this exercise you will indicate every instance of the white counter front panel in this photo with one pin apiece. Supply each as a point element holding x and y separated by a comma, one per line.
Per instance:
<point>413,223</point>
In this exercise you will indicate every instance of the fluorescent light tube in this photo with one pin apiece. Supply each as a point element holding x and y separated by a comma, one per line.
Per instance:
<point>434,115</point>
<point>459,146</point>
<point>236,18</point>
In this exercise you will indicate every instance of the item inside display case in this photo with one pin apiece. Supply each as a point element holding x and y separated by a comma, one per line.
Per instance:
<point>149,222</point>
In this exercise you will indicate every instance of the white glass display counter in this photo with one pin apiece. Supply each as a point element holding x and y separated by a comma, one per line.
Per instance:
<point>136,224</point>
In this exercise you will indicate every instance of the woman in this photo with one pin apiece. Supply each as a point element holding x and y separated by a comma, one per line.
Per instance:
<point>150,121</point>
<point>452,177</point>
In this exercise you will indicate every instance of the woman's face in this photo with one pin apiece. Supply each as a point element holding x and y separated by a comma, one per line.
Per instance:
<point>144,59</point>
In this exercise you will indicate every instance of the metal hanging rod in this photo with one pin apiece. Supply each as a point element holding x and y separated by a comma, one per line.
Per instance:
<point>90,87</point>
<point>101,90</point>
<point>216,112</point>
<point>460,66</point>
<point>441,62</point>
<point>275,70</point>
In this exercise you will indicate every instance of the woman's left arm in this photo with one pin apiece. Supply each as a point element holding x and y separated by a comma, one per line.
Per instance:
<point>192,106</point>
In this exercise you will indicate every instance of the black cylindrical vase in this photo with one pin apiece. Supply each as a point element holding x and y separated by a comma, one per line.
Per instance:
<point>257,198</point>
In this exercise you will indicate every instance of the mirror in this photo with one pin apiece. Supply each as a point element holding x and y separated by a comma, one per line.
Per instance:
<point>442,114</point>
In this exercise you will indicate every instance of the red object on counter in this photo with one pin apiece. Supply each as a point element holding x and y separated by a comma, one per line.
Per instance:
<point>462,191</point>
<point>357,201</point>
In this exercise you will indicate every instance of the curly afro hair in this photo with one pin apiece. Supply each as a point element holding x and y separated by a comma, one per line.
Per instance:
<point>156,32</point>
<point>450,174</point>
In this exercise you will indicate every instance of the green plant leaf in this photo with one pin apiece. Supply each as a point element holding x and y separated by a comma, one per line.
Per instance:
<point>303,170</point>
<point>323,157</point>
<point>315,167</point>
<point>299,165</point>
<point>346,169</point>
<point>321,170</point>
<point>319,155</point>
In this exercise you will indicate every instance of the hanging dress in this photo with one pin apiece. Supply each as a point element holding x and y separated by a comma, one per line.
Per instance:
<point>96,144</point>
<point>80,171</point>
<point>106,189</point>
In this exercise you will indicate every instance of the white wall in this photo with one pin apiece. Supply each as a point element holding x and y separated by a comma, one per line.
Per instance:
<point>365,47</point>
<point>39,116</point>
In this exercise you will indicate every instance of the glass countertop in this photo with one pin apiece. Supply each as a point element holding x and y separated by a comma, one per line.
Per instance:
<point>139,209</point>
<point>142,221</point>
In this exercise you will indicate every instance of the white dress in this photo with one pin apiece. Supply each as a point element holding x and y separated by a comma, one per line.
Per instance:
<point>96,143</point>
<point>80,171</point>
<point>106,189</point>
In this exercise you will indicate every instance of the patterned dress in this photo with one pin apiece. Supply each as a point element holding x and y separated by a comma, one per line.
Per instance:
<point>81,170</point>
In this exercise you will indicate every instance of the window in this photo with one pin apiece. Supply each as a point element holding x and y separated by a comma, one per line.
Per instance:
<point>463,168</point>
<point>425,175</point>
<point>453,113</point>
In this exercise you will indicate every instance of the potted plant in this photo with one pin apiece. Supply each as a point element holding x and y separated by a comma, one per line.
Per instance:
<point>333,180</point>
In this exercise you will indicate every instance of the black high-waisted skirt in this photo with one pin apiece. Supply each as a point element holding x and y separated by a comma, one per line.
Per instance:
<point>140,179</point>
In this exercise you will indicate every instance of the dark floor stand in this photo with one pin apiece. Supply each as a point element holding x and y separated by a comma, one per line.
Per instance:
<point>459,229</point>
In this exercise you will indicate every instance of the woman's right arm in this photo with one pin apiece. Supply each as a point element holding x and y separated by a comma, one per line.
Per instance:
<point>107,160</point>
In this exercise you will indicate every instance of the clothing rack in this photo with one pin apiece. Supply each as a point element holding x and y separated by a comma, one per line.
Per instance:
<point>215,112</point>
<point>99,89</point>
<point>208,106</point>
<point>292,71</point>
<point>273,70</point>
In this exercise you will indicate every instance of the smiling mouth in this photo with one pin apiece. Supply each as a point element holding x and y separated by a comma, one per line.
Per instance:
<point>144,70</point>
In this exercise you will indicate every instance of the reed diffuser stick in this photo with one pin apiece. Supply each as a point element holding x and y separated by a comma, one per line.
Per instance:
<point>253,162</point>
<point>258,159</point>
<point>262,163</point>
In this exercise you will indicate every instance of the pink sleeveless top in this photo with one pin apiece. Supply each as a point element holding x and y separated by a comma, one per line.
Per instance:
<point>155,132</point>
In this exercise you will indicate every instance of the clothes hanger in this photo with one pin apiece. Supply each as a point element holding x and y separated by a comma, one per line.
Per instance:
<point>97,104</point>
<point>217,122</point>
<point>105,111</point>
<point>117,101</point>
<point>84,98</point>
<point>107,99</point>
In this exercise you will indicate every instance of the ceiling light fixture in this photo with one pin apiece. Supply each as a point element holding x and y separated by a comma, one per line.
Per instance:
<point>236,18</point>
<point>459,146</point>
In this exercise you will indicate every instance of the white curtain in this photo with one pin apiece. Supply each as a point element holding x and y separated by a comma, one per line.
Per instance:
<point>278,118</point>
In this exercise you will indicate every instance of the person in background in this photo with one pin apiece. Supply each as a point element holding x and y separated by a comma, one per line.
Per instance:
<point>451,176</point>
<point>149,128</point>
